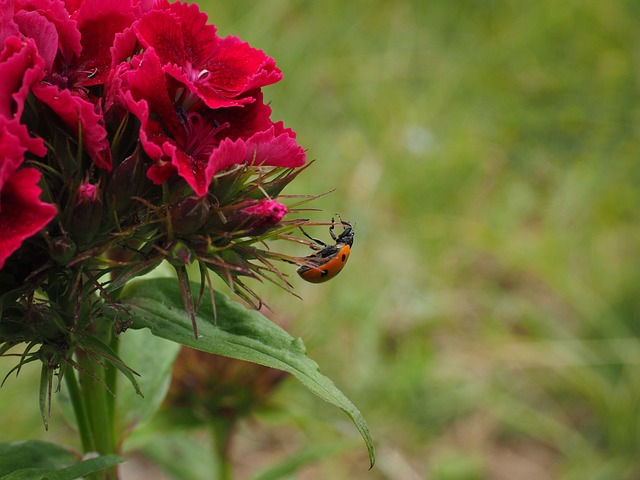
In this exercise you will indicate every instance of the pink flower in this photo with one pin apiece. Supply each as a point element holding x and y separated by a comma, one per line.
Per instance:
<point>84,215</point>
<point>22,213</point>
<point>265,213</point>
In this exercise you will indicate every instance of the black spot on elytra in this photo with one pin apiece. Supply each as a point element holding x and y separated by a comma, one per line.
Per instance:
<point>324,273</point>
<point>344,257</point>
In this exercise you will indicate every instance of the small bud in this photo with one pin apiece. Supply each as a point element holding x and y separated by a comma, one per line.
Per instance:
<point>62,249</point>
<point>126,182</point>
<point>180,255</point>
<point>43,323</point>
<point>261,215</point>
<point>86,213</point>
<point>189,214</point>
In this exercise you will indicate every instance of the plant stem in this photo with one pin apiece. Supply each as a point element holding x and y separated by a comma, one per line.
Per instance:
<point>111,381</point>
<point>97,387</point>
<point>82,419</point>
<point>221,429</point>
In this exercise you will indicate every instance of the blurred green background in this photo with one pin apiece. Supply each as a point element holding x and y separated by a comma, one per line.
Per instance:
<point>487,324</point>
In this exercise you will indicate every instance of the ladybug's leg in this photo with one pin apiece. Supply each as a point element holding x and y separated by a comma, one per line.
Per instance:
<point>333,225</point>
<point>320,244</point>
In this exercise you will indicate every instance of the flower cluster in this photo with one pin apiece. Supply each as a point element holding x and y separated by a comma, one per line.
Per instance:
<point>130,134</point>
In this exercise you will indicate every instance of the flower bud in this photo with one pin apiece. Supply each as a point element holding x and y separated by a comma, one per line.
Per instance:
<point>260,215</point>
<point>207,386</point>
<point>180,255</point>
<point>62,249</point>
<point>189,214</point>
<point>126,182</point>
<point>86,213</point>
<point>44,323</point>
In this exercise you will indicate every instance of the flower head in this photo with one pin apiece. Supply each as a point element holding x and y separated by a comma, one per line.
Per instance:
<point>131,133</point>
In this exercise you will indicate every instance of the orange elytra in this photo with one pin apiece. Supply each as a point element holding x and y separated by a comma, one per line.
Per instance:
<point>329,260</point>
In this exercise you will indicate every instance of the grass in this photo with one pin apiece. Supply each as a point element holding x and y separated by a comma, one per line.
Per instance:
<point>488,322</point>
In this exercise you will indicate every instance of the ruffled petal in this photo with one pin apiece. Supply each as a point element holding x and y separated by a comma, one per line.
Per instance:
<point>77,113</point>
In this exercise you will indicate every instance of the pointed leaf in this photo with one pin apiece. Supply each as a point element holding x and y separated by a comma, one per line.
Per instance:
<point>35,460</point>
<point>46,381</point>
<point>237,333</point>
<point>112,357</point>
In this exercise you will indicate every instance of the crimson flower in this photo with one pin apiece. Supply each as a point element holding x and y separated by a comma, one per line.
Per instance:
<point>22,213</point>
<point>103,101</point>
<point>198,98</point>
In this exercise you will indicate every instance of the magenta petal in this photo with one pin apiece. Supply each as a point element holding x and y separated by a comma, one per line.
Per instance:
<point>180,36</point>
<point>8,28</point>
<point>228,153</point>
<point>54,12</point>
<point>147,81</point>
<point>275,147</point>
<point>212,96</point>
<point>43,32</point>
<point>76,112</point>
<point>99,21</point>
<point>20,68</point>
<point>22,213</point>
<point>244,121</point>
<point>236,67</point>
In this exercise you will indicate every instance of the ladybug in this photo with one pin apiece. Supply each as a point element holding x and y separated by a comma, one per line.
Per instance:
<point>329,260</point>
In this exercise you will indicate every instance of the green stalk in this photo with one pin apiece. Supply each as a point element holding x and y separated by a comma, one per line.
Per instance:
<point>95,380</point>
<point>221,429</point>
<point>111,380</point>
<point>82,419</point>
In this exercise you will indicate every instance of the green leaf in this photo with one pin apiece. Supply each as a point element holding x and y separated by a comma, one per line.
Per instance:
<point>152,357</point>
<point>36,460</point>
<point>112,357</point>
<point>46,381</point>
<point>7,299</point>
<point>238,333</point>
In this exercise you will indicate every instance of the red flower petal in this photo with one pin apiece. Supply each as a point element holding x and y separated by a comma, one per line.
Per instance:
<point>8,28</point>
<point>76,112</point>
<point>178,32</point>
<point>99,21</point>
<point>146,80</point>
<point>22,213</point>
<point>275,147</point>
<point>236,67</point>
<point>35,26</point>
<point>20,68</point>
<point>32,15</point>
<point>246,120</point>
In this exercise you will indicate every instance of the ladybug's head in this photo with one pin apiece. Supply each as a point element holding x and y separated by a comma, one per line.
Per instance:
<point>346,237</point>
